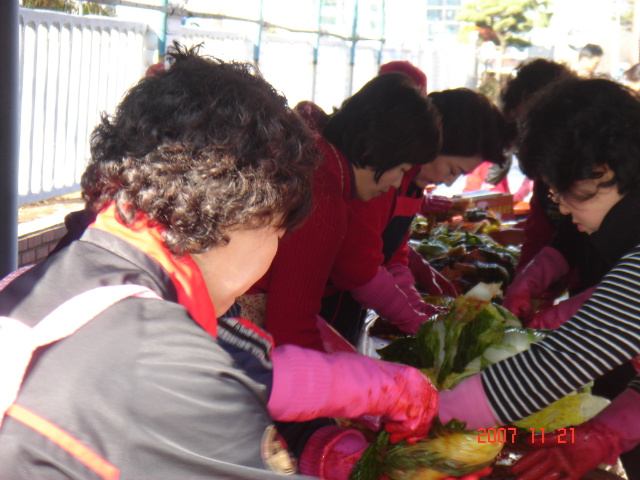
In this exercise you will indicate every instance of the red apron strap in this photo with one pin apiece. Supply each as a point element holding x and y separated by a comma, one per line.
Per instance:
<point>406,206</point>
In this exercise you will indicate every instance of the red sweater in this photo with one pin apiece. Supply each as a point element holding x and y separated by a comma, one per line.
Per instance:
<point>538,233</point>
<point>308,258</point>
<point>339,247</point>
<point>363,248</point>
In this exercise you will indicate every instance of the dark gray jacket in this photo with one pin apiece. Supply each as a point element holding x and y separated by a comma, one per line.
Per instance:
<point>142,385</point>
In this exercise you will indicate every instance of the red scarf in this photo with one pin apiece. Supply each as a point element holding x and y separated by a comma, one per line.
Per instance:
<point>185,274</point>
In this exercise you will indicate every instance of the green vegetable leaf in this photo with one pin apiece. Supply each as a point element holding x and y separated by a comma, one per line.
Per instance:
<point>429,340</point>
<point>485,329</point>
<point>452,426</point>
<point>572,409</point>
<point>402,350</point>
<point>369,467</point>
<point>465,310</point>
<point>440,452</point>
<point>509,318</point>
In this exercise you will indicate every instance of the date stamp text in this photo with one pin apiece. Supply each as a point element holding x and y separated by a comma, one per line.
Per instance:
<point>508,434</point>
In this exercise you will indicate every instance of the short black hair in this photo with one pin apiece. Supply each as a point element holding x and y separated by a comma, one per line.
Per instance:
<point>578,125</point>
<point>386,123</point>
<point>471,125</point>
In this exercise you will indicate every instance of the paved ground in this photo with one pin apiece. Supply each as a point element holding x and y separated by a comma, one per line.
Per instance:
<point>40,215</point>
<point>43,208</point>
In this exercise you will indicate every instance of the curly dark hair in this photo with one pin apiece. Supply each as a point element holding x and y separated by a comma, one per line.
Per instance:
<point>575,126</point>
<point>203,148</point>
<point>471,125</point>
<point>386,123</point>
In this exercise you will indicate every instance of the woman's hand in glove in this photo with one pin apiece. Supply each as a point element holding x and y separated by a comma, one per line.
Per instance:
<point>383,295</point>
<point>545,268</point>
<point>308,384</point>
<point>435,204</point>
<point>615,430</point>
<point>557,315</point>
<point>468,403</point>
<point>428,277</point>
<point>571,458</point>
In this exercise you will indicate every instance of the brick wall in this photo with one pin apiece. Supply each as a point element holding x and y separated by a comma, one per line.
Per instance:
<point>35,246</point>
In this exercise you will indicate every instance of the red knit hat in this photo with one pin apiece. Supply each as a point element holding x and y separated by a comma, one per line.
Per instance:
<point>407,68</point>
<point>155,69</point>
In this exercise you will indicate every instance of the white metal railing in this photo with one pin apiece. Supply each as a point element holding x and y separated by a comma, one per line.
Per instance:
<point>71,69</point>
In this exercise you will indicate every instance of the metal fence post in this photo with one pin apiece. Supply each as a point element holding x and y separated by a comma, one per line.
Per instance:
<point>162,34</point>
<point>9,131</point>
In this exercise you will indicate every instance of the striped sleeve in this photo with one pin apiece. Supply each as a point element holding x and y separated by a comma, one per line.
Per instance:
<point>604,333</point>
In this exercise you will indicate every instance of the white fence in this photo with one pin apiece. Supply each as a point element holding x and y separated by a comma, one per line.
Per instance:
<point>72,68</point>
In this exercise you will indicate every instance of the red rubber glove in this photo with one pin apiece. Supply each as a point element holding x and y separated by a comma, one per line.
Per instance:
<point>406,283</point>
<point>570,460</point>
<point>308,384</point>
<point>390,302</point>
<point>435,204</point>
<point>546,267</point>
<point>554,317</point>
<point>332,452</point>
<point>485,472</point>
<point>600,440</point>
<point>428,277</point>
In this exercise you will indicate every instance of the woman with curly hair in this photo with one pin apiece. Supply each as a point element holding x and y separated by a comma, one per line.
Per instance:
<point>555,255</point>
<point>193,182</point>
<point>581,137</point>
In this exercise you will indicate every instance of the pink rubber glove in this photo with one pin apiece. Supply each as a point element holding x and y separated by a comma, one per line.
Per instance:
<point>332,341</point>
<point>468,403</point>
<point>600,440</point>
<point>554,317</point>
<point>332,452</point>
<point>435,204</point>
<point>308,384</point>
<point>406,283</point>
<point>428,277</point>
<point>546,267</point>
<point>389,301</point>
